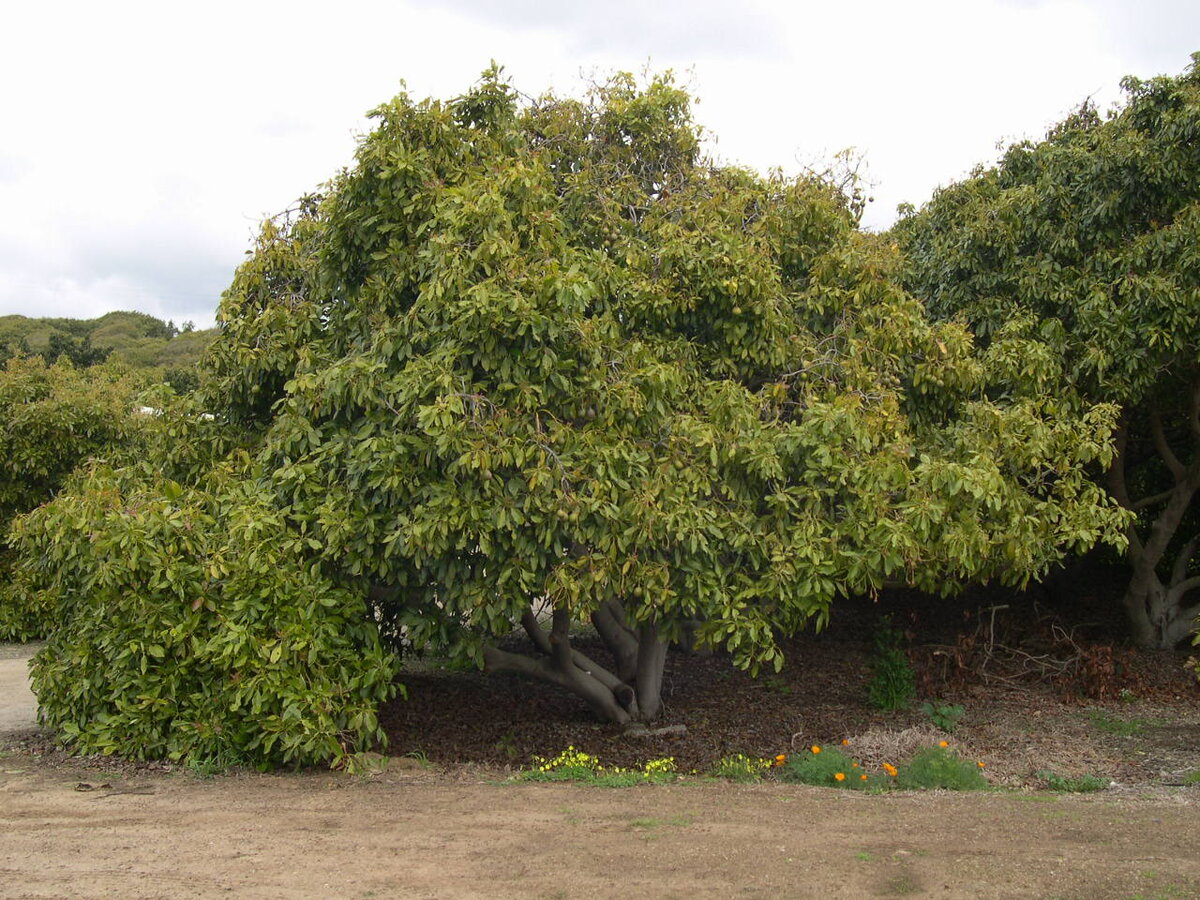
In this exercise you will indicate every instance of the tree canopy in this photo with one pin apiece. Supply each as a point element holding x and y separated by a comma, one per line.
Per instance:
<point>540,363</point>
<point>1090,239</point>
<point>52,419</point>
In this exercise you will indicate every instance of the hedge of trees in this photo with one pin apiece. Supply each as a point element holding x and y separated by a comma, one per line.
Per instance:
<point>528,365</point>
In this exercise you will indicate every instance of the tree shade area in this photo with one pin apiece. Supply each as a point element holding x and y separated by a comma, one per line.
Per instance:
<point>535,366</point>
<point>1090,240</point>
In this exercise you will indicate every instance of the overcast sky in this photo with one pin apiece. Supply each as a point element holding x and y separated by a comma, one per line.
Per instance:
<point>141,143</point>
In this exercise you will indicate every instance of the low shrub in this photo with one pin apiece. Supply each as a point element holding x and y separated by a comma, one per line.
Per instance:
<point>940,767</point>
<point>191,624</point>
<point>828,768</point>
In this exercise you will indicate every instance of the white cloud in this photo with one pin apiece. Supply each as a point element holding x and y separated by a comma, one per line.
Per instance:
<point>144,141</point>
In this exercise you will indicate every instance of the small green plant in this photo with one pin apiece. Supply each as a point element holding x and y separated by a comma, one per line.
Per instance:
<point>1113,725</point>
<point>419,757</point>
<point>829,768</point>
<point>939,767</point>
<point>1065,784</point>
<point>943,715</point>
<point>740,768</point>
<point>508,744</point>
<point>1192,777</point>
<point>218,763</point>
<point>863,856</point>
<point>778,684</point>
<point>575,765</point>
<point>893,684</point>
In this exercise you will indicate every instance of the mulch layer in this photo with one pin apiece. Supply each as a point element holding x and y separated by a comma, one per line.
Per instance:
<point>1023,713</point>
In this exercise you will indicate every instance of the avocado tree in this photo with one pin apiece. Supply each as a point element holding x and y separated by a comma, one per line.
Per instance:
<point>537,364</point>
<point>1090,239</point>
<point>52,419</point>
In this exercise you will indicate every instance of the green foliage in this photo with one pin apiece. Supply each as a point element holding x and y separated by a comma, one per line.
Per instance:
<point>740,768</point>
<point>79,351</point>
<point>575,765</point>
<point>1078,785</point>
<point>544,350</point>
<point>1074,260</point>
<point>137,340</point>
<point>943,715</point>
<point>939,768</point>
<point>893,684</point>
<point>52,418</point>
<point>823,768</point>
<point>191,624</point>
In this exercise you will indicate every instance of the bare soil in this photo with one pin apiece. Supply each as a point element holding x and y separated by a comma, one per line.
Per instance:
<point>466,834</point>
<point>442,818</point>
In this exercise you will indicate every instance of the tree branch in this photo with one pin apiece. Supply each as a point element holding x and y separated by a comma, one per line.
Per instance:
<point>530,623</point>
<point>623,692</point>
<point>1179,570</point>
<point>1152,500</point>
<point>1178,470</point>
<point>1182,588</point>
<point>1194,411</point>
<point>619,639</point>
<point>1117,486</point>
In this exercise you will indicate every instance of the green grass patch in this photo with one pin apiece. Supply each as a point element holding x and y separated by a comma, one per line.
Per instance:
<point>1082,784</point>
<point>1114,725</point>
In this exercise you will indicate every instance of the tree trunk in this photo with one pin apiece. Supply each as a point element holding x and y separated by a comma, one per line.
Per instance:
<point>640,656</point>
<point>1158,617</point>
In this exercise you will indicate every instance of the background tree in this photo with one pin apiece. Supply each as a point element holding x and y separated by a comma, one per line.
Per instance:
<point>52,419</point>
<point>540,364</point>
<point>1089,239</point>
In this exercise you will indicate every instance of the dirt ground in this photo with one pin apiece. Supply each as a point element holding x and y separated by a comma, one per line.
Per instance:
<point>465,833</point>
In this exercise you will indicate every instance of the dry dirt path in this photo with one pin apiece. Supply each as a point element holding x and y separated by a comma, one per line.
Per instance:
<point>402,834</point>
<point>18,707</point>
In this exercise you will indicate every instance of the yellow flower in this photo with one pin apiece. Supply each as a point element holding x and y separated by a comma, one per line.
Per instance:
<point>815,749</point>
<point>890,769</point>
<point>943,743</point>
<point>840,776</point>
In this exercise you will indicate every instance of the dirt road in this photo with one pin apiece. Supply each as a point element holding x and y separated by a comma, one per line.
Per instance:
<point>417,834</point>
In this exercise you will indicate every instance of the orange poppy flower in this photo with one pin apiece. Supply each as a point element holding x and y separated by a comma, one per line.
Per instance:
<point>815,749</point>
<point>840,776</point>
<point>890,769</point>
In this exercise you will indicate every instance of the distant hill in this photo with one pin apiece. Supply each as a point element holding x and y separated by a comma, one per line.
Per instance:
<point>140,340</point>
